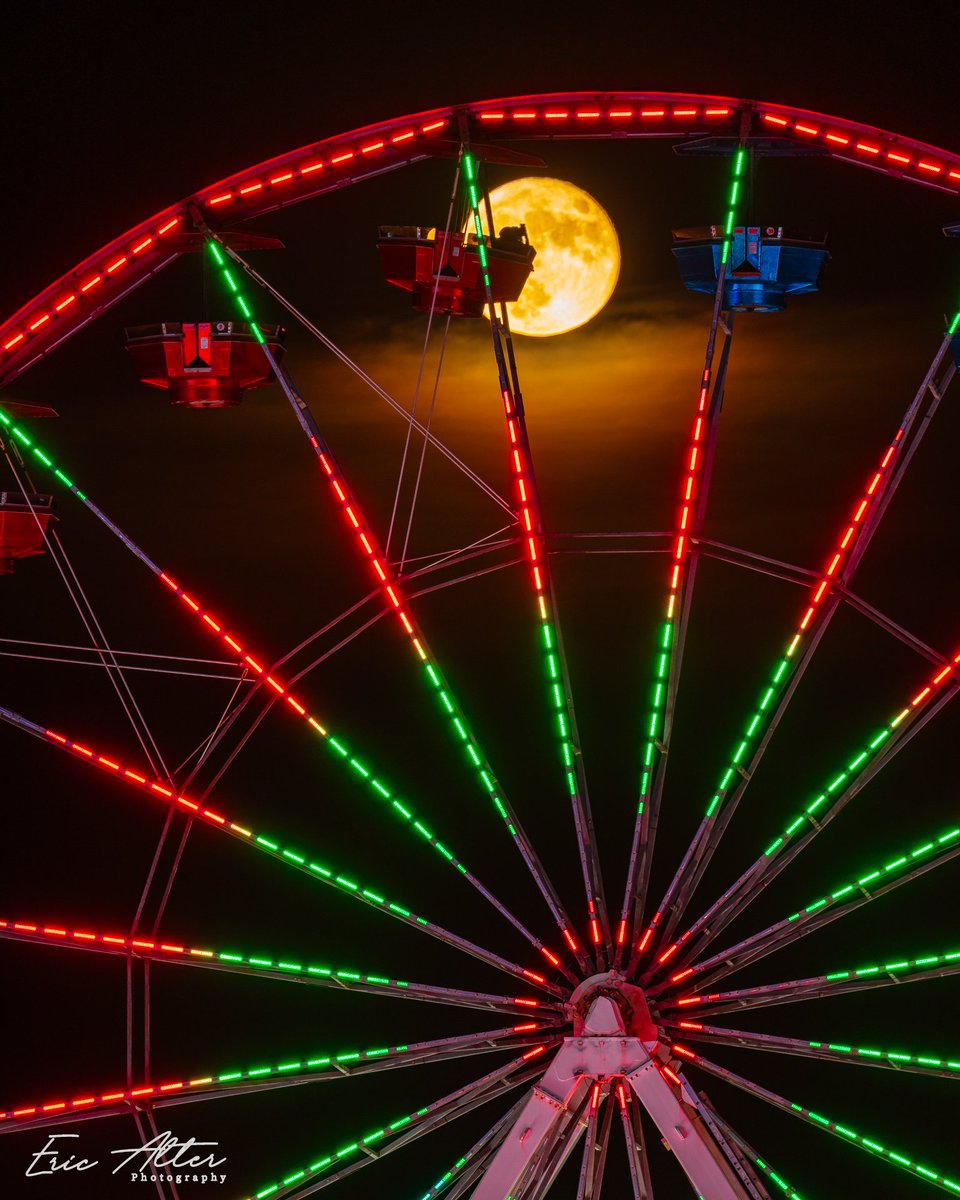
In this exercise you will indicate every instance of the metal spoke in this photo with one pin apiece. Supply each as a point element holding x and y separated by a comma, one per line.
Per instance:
<point>672,632</point>
<point>823,602</point>
<point>362,772</point>
<point>591,1146</point>
<point>286,855</point>
<point>815,987</point>
<point>638,1162</point>
<point>372,554</point>
<point>415,1125</point>
<point>893,1060</point>
<point>289,1074</point>
<point>859,771</point>
<point>671,635</point>
<point>313,975</point>
<point>463,1172</point>
<point>845,899</point>
<point>595,1147</point>
<point>824,1123</point>
<point>748,1153</point>
<point>528,509</point>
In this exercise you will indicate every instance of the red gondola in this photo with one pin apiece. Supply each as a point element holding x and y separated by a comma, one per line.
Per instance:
<point>24,519</point>
<point>428,262</point>
<point>207,364</point>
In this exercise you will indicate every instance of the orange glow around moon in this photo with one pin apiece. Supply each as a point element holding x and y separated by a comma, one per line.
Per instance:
<point>578,254</point>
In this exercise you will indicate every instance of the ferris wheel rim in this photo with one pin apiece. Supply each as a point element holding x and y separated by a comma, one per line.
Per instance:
<point>104,277</point>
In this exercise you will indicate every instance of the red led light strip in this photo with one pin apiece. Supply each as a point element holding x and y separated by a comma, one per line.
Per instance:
<point>528,509</point>
<point>526,115</point>
<point>283,968</point>
<point>390,588</point>
<point>393,592</point>
<point>309,166</point>
<point>248,661</point>
<point>887,151</point>
<point>669,649</point>
<point>39,320</point>
<point>815,612</point>
<point>291,858</point>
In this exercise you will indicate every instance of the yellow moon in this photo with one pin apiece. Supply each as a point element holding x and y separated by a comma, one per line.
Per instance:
<point>578,254</point>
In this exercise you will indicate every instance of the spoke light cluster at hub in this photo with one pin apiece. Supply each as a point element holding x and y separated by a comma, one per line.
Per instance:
<point>392,592</point>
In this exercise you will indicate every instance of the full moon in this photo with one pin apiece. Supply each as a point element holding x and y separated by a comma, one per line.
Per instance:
<point>578,254</point>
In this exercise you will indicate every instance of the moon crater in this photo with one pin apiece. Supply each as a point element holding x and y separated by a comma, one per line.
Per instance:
<point>578,254</point>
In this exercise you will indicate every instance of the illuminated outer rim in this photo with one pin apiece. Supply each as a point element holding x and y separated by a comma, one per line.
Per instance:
<point>122,264</point>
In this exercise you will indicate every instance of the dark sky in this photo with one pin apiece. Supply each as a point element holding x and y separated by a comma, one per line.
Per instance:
<point>112,112</point>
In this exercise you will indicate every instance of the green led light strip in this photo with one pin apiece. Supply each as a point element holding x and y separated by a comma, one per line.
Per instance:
<point>336,1065</point>
<point>822,1122</point>
<point>856,891</point>
<point>168,951</point>
<point>894,1057</point>
<point>667,633</point>
<point>285,855</point>
<point>226,1078</point>
<point>891,868</point>
<point>896,968</point>
<point>876,1148</point>
<point>391,589</point>
<point>856,766</point>
<point>748,1039</point>
<point>371,1139</point>
<point>770,1173</point>
<point>691,500</point>
<point>558,690</point>
<point>446,1178</point>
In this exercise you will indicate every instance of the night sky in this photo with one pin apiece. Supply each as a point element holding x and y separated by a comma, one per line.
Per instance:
<point>113,112</point>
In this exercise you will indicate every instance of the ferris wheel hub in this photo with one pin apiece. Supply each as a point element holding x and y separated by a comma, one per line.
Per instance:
<point>624,1010</point>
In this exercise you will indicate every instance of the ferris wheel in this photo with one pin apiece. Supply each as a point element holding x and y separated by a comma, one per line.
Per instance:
<point>602,1023</point>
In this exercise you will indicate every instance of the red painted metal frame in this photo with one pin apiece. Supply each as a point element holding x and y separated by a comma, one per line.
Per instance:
<point>108,274</point>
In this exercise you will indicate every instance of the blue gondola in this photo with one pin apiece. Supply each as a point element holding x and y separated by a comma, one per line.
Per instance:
<point>766,265</point>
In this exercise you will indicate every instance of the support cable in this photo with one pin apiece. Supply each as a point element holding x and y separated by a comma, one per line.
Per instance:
<point>416,394</point>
